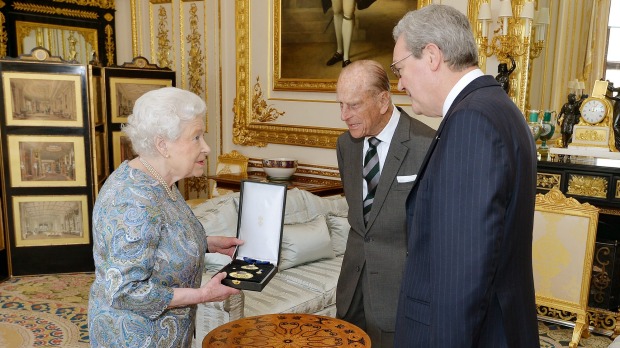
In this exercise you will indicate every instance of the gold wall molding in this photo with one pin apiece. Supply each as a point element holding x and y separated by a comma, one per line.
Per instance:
<point>163,49</point>
<point>54,10</point>
<point>547,181</point>
<point>104,4</point>
<point>195,65</point>
<point>263,112</point>
<point>108,17</point>
<point>585,185</point>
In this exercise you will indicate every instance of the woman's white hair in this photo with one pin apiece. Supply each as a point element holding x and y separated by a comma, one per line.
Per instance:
<point>160,112</point>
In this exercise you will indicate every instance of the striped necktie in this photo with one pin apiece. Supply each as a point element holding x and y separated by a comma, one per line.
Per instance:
<point>371,174</point>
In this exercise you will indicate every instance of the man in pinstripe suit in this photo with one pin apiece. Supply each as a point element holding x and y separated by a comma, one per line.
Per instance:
<point>468,277</point>
<point>367,291</point>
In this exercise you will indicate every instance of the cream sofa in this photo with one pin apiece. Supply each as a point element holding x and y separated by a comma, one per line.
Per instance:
<point>313,244</point>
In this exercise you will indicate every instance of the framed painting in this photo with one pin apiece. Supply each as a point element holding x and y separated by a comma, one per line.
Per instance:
<point>50,220</point>
<point>264,113</point>
<point>47,161</point>
<point>42,99</point>
<point>125,91</point>
<point>122,150</point>
<point>100,160</point>
<point>305,40</point>
<point>563,243</point>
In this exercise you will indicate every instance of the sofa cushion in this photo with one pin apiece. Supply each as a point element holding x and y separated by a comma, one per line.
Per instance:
<point>295,211</point>
<point>305,242</point>
<point>339,231</point>
<point>316,205</point>
<point>218,216</point>
<point>321,276</point>
<point>280,296</point>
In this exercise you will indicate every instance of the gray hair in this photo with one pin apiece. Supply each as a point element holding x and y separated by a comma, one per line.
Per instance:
<point>443,26</point>
<point>376,79</point>
<point>160,112</point>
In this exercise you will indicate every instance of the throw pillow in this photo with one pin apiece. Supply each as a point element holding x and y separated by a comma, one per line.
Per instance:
<point>305,242</point>
<point>339,231</point>
<point>219,220</point>
<point>216,261</point>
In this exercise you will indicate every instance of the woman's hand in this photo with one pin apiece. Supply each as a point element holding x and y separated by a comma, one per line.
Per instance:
<point>223,245</point>
<point>214,290</point>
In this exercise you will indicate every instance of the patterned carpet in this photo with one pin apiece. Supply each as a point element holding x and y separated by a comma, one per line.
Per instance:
<point>51,311</point>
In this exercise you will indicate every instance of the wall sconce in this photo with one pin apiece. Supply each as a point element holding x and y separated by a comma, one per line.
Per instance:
<point>516,36</point>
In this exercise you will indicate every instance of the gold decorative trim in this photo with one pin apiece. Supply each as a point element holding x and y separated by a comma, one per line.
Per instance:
<point>141,63</point>
<point>41,54</point>
<point>108,17</point>
<point>261,111</point>
<point>610,211</point>
<point>109,45</point>
<point>158,2</point>
<point>558,201</point>
<point>603,321</point>
<point>163,43</point>
<point>54,10</point>
<point>195,65</point>
<point>547,181</point>
<point>2,4</point>
<point>134,29</point>
<point>249,134</point>
<point>617,189</point>
<point>104,4</point>
<point>4,37</point>
<point>308,169</point>
<point>589,186</point>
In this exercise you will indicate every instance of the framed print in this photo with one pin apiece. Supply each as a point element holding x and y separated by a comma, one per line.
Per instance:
<point>122,148</point>
<point>125,91</point>
<point>42,99</point>
<point>100,159</point>
<point>47,161</point>
<point>50,220</point>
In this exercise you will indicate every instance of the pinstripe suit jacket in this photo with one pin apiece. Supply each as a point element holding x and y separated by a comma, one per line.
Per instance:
<point>468,277</point>
<point>381,245</point>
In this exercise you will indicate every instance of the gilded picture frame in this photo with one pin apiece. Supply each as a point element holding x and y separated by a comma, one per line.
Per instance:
<point>563,241</point>
<point>121,148</point>
<point>303,36</point>
<point>50,220</point>
<point>47,99</point>
<point>125,91</point>
<point>47,161</point>
<point>251,128</point>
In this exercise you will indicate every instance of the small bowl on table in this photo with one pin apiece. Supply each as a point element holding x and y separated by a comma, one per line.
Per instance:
<point>280,169</point>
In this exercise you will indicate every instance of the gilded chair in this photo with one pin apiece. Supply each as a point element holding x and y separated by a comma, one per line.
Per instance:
<point>228,163</point>
<point>562,255</point>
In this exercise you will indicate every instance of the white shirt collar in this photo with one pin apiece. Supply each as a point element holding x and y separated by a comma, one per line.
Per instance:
<point>458,87</point>
<point>388,131</point>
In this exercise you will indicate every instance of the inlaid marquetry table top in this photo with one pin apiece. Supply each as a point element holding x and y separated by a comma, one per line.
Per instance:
<point>287,330</point>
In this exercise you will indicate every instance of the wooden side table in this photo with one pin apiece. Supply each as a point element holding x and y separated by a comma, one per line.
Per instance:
<point>287,330</point>
<point>318,186</point>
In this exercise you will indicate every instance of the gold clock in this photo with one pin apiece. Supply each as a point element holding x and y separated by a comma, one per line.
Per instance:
<point>595,110</point>
<point>595,124</point>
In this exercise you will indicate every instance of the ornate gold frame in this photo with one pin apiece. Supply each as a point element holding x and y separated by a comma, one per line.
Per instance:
<point>570,257</point>
<point>247,129</point>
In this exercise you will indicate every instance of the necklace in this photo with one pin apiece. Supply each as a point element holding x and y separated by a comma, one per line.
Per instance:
<point>158,178</point>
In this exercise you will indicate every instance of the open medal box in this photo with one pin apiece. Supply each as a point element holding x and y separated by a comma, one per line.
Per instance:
<point>261,219</point>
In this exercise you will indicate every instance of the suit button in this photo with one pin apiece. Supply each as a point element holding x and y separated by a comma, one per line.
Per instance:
<point>357,269</point>
<point>367,239</point>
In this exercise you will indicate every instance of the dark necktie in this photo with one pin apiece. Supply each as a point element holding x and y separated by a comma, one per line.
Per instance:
<point>371,174</point>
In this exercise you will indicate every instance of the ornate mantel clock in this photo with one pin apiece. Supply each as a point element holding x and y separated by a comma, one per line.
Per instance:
<point>595,127</point>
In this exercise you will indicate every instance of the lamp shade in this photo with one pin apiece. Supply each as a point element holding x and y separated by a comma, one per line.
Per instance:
<point>528,10</point>
<point>505,8</point>
<point>484,13</point>
<point>543,16</point>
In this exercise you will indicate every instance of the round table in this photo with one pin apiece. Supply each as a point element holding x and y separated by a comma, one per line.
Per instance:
<point>287,330</point>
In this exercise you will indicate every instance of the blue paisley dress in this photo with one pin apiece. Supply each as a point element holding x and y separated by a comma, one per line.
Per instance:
<point>145,245</point>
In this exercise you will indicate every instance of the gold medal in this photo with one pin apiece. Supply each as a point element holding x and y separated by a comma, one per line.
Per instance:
<point>236,282</point>
<point>251,267</point>
<point>241,275</point>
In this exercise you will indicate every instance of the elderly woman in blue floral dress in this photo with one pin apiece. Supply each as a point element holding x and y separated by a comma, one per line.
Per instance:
<point>148,245</point>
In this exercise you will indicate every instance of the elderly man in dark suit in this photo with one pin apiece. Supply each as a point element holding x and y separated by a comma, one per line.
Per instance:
<point>378,157</point>
<point>468,279</point>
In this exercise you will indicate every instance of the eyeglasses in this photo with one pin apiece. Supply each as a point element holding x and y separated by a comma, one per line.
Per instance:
<point>395,70</point>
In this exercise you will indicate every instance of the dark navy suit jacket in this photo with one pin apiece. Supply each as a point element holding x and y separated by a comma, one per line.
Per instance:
<point>468,278</point>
